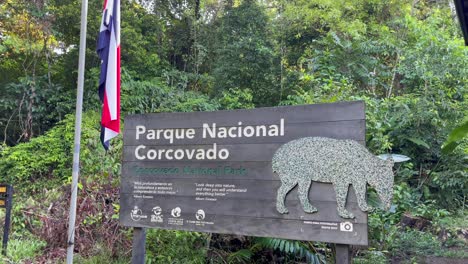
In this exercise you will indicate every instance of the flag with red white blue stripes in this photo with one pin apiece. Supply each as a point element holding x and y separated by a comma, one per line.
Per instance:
<point>108,49</point>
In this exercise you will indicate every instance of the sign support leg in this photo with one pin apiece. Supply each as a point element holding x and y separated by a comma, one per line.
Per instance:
<point>6,230</point>
<point>343,254</point>
<point>139,243</point>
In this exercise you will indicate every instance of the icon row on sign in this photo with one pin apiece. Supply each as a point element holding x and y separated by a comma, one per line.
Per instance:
<point>136,213</point>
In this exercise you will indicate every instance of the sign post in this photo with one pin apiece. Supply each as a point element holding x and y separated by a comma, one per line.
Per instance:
<point>139,243</point>
<point>343,254</point>
<point>220,172</point>
<point>6,201</point>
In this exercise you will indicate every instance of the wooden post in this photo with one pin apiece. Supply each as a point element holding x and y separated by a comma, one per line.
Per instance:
<point>343,254</point>
<point>8,206</point>
<point>139,243</point>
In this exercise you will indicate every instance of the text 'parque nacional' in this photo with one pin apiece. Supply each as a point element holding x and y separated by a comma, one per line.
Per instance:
<point>212,131</point>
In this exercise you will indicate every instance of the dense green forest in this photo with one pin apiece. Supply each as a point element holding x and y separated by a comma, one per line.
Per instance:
<point>405,59</point>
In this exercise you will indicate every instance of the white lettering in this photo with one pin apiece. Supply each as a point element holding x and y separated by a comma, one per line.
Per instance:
<point>273,131</point>
<point>190,153</point>
<point>159,131</point>
<point>211,151</point>
<point>249,131</point>
<point>282,127</point>
<point>190,133</point>
<point>232,132</point>
<point>136,152</point>
<point>223,154</point>
<point>206,128</point>
<point>151,134</point>
<point>152,154</point>
<point>200,154</point>
<point>167,154</point>
<point>179,133</point>
<point>222,132</point>
<point>179,154</point>
<point>261,131</point>
<point>140,130</point>
<point>169,134</point>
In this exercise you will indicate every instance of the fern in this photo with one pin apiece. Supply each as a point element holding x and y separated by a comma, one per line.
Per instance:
<point>293,247</point>
<point>241,256</point>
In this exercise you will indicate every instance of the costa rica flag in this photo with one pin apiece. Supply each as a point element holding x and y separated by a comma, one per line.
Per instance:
<point>108,49</point>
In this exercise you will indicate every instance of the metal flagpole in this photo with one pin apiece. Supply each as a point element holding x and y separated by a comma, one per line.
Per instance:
<point>76,151</point>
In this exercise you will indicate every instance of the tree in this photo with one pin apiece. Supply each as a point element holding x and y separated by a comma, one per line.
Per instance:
<point>245,57</point>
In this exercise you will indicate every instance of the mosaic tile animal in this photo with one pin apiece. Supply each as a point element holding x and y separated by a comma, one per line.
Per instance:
<point>340,162</point>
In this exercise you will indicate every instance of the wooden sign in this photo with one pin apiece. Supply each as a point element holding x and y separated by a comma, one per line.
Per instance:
<point>3,196</point>
<point>6,201</point>
<point>212,172</point>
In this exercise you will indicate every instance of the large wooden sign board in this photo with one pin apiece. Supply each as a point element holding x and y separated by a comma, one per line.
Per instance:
<point>211,172</point>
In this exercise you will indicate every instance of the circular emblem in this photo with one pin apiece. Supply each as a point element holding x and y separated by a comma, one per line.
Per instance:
<point>176,212</point>
<point>200,215</point>
<point>135,214</point>
<point>157,210</point>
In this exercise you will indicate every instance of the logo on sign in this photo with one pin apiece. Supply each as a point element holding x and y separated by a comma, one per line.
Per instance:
<point>156,217</point>
<point>157,210</point>
<point>135,214</point>
<point>346,226</point>
<point>176,212</point>
<point>200,215</point>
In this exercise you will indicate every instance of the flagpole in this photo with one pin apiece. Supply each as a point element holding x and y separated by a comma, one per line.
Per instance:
<point>76,151</point>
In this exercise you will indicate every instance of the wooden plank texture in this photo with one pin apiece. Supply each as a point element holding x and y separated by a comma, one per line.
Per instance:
<point>244,189</point>
<point>236,207</point>
<point>263,227</point>
<point>294,114</point>
<point>354,129</point>
<point>237,152</point>
<point>235,195</point>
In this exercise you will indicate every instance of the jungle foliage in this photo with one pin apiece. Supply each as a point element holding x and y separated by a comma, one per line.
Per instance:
<point>405,59</point>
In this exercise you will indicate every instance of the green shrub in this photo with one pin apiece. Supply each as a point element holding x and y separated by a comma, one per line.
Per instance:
<point>46,160</point>
<point>101,258</point>
<point>154,96</point>
<point>371,257</point>
<point>168,246</point>
<point>236,99</point>
<point>23,248</point>
<point>413,242</point>
<point>416,243</point>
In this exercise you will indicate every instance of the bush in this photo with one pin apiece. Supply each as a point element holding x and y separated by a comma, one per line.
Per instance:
<point>23,248</point>
<point>371,257</point>
<point>414,242</point>
<point>168,246</point>
<point>155,96</point>
<point>48,158</point>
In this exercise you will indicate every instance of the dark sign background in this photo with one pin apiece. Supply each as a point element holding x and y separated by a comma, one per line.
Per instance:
<point>237,195</point>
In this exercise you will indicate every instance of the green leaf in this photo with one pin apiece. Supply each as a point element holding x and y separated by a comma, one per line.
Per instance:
<point>446,149</point>
<point>419,142</point>
<point>456,135</point>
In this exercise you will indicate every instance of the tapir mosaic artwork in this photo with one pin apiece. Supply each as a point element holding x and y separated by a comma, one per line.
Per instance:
<point>340,162</point>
